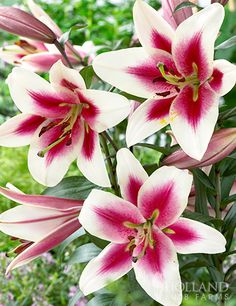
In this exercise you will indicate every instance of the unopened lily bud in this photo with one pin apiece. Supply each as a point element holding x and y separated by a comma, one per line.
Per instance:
<point>222,143</point>
<point>172,17</point>
<point>18,22</point>
<point>223,2</point>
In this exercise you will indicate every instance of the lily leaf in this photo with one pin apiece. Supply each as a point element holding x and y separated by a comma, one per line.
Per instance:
<point>87,74</point>
<point>227,43</point>
<point>84,253</point>
<point>74,187</point>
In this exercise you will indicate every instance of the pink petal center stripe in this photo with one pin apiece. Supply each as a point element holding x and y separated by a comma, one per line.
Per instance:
<point>29,125</point>
<point>50,104</point>
<point>69,85</point>
<point>162,198</point>
<point>216,80</point>
<point>115,259</point>
<point>159,109</point>
<point>182,234</point>
<point>189,53</point>
<point>194,111</point>
<point>89,143</point>
<point>132,189</point>
<point>160,41</point>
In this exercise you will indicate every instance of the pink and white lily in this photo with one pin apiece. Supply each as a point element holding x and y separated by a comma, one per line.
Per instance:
<point>40,57</point>
<point>61,121</point>
<point>176,72</point>
<point>145,230</point>
<point>40,223</point>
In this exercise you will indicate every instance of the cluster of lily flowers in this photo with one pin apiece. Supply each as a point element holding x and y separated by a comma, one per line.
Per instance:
<point>61,120</point>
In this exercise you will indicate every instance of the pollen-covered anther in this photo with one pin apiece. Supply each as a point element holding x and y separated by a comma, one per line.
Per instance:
<point>47,128</point>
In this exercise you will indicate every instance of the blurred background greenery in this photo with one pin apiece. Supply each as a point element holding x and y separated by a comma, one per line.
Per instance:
<point>51,280</point>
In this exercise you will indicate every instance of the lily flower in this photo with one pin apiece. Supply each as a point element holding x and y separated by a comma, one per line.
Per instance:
<point>176,72</point>
<point>39,57</point>
<point>61,121</point>
<point>40,223</point>
<point>145,230</point>
<point>172,17</point>
<point>222,143</point>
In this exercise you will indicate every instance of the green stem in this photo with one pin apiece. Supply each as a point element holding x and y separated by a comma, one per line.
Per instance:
<point>111,141</point>
<point>114,184</point>
<point>218,196</point>
<point>63,53</point>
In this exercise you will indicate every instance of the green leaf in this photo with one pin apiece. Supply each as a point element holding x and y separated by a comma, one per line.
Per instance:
<point>84,253</point>
<point>230,219</point>
<point>64,37</point>
<point>201,197</point>
<point>229,226</point>
<point>75,298</point>
<point>105,299</point>
<point>194,264</point>
<point>230,271</point>
<point>204,179</point>
<point>228,200</point>
<point>80,232</point>
<point>226,185</point>
<point>216,275</point>
<point>231,42</point>
<point>150,168</point>
<point>88,74</point>
<point>162,150</point>
<point>185,4</point>
<point>131,97</point>
<point>202,218</point>
<point>97,241</point>
<point>74,187</point>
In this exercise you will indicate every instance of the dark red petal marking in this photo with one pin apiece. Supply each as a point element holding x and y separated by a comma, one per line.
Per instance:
<point>216,80</point>
<point>159,109</point>
<point>89,143</point>
<point>29,125</point>
<point>192,52</point>
<point>50,105</point>
<point>69,85</point>
<point>161,41</point>
<point>115,259</point>
<point>132,189</point>
<point>194,111</point>
<point>183,234</point>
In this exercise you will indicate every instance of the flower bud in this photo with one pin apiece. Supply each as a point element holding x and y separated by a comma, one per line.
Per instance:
<point>18,22</point>
<point>222,143</point>
<point>172,17</point>
<point>223,2</point>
